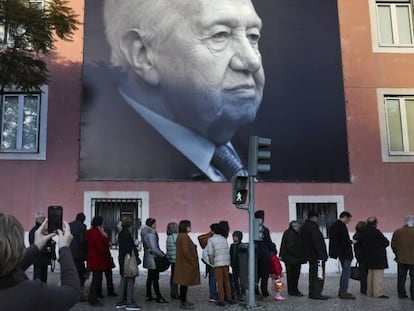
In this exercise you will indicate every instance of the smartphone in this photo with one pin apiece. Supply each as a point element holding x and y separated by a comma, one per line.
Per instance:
<point>54,218</point>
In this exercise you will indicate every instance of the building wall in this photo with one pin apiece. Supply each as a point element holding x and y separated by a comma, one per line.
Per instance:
<point>381,189</point>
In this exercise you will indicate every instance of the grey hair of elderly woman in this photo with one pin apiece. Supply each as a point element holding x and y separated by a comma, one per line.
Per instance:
<point>11,244</point>
<point>409,221</point>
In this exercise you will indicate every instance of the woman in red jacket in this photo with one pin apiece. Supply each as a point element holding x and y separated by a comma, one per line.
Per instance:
<point>99,257</point>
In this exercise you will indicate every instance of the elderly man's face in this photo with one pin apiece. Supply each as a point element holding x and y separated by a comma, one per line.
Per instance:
<point>210,67</point>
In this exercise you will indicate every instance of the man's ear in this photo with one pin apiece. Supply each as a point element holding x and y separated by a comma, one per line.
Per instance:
<point>137,54</point>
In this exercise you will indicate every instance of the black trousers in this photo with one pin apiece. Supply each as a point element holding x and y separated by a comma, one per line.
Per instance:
<point>401,278</point>
<point>263,270</point>
<point>81,269</point>
<point>363,272</point>
<point>110,289</point>
<point>293,273</point>
<point>95,285</point>
<point>173,286</point>
<point>315,284</point>
<point>40,272</point>
<point>152,280</point>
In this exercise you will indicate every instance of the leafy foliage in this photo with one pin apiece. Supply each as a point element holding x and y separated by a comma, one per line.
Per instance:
<point>30,32</point>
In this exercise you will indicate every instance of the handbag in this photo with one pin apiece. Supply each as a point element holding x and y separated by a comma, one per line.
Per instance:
<point>162,263</point>
<point>130,265</point>
<point>355,273</point>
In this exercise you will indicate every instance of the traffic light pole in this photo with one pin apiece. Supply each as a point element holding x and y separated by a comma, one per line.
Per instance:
<point>252,278</point>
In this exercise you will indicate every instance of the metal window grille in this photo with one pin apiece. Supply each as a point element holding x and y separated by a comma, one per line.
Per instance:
<point>112,210</point>
<point>328,214</point>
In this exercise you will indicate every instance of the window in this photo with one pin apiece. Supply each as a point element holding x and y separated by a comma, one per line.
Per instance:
<point>23,125</point>
<point>392,26</point>
<point>328,207</point>
<point>396,113</point>
<point>112,210</point>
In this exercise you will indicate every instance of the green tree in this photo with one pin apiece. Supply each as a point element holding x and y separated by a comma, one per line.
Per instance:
<point>29,34</point>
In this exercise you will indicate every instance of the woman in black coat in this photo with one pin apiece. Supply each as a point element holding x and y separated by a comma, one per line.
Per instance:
<point>360,256</point>
<point>126,246</point>
<point>291,252</point>
<point>375,246</point>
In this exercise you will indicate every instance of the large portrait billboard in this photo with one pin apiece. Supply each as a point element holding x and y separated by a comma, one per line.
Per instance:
<point>172,90</point>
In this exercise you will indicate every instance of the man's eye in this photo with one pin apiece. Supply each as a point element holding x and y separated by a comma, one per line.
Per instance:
<point>253,38</point>
<point>221,36</point>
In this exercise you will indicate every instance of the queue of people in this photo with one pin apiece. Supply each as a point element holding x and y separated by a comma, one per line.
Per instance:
<point>299,244</point>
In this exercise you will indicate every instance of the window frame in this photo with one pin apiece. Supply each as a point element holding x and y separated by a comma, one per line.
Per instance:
<point>40,154</point>
<point>386,153</point>
<point>377,47</point>
<point>294,199</point>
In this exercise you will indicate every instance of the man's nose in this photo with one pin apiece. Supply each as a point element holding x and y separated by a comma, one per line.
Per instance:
<point>246,57</point>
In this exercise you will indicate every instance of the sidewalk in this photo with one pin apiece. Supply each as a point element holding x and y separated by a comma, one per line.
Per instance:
<point>199,295</point>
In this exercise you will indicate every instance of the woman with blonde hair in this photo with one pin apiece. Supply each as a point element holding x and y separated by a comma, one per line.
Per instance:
<point>172,232</point>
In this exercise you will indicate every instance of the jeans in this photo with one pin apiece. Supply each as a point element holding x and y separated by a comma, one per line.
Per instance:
<point>126,286</point>
<point>212,282</point>
<point>402,276</point>
<point>238,285</point>
<point>346,273</point>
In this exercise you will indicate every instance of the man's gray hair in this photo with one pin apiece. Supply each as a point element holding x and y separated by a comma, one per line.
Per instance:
<point>409,221</point>
<point>39,215</point>
<point>151,17</point>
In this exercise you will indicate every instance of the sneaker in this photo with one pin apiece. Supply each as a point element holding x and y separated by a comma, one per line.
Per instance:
<point>133,306</point>
<point>212,299</point>
<point>220,304</point>
<point>121,305</point>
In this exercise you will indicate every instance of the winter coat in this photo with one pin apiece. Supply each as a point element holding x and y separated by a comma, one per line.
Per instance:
<point>313,242</point>
<point>374,244</point>
<point>265,248</point>
<point>44,259</point>
<point>218,251</point>
<point>171,247</point>
<point>235,250</point>
<point>78,247</point>
<point>402,244</point>
<point>291,250</point>
<point>152,249</point>
<point>18,293</point>
<point>187,270</point>
<point>358,248</point>
<point>126,246</point>
<point>340,245</point>
<point>99,257</point>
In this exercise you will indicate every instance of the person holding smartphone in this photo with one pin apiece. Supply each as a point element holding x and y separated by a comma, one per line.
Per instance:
<point>16,290</point>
